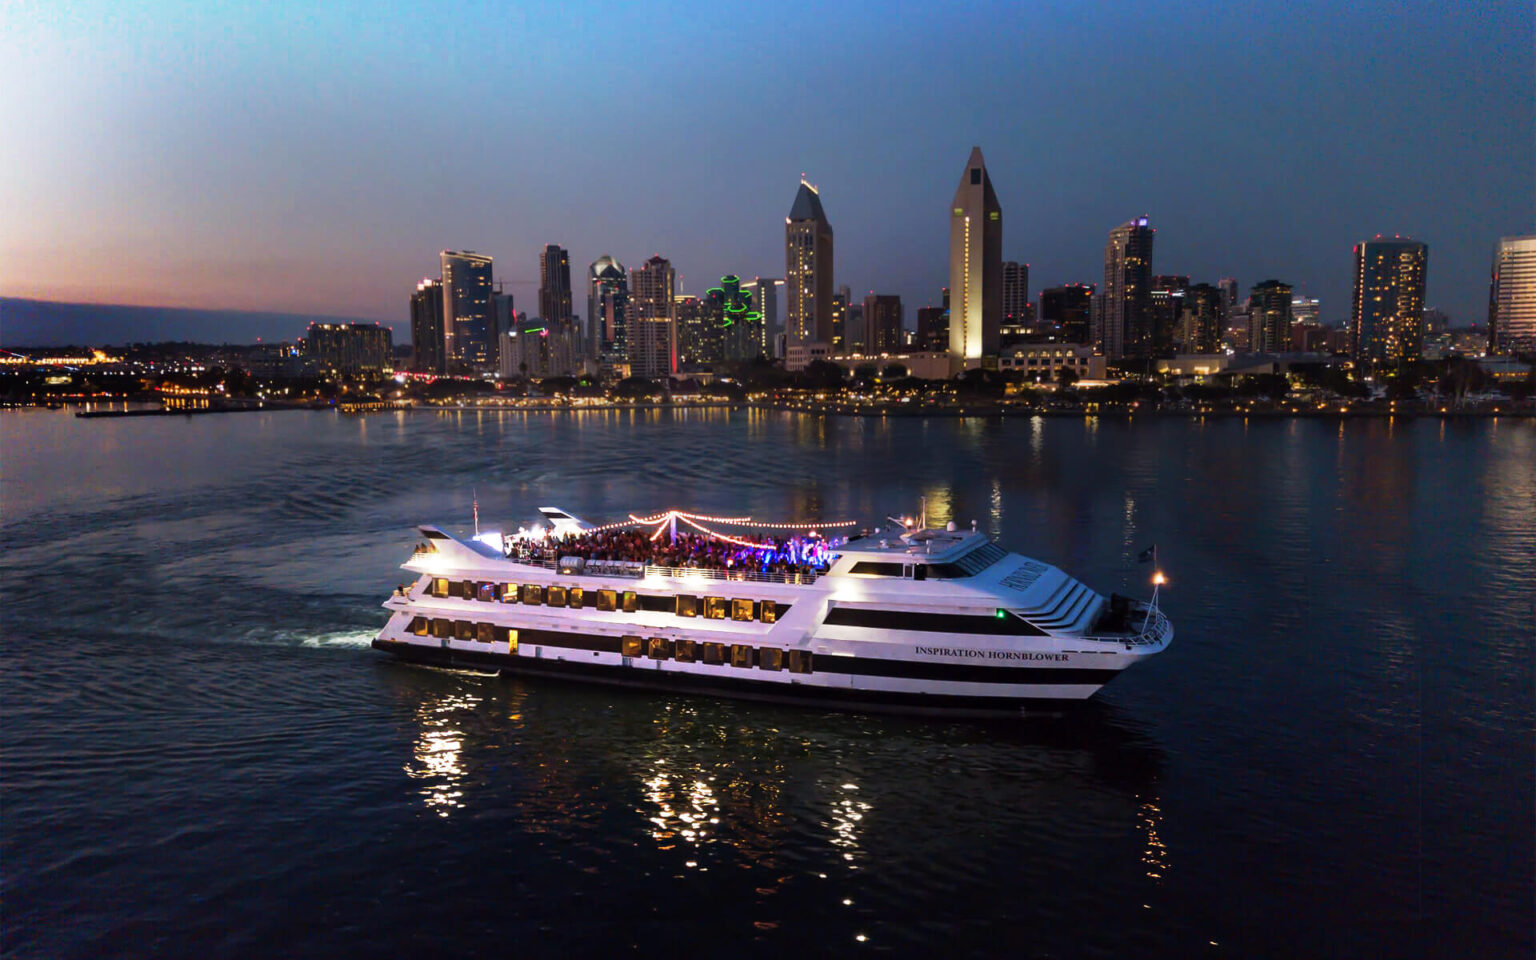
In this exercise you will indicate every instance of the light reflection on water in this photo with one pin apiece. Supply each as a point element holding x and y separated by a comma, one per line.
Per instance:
<point>1352,673</point>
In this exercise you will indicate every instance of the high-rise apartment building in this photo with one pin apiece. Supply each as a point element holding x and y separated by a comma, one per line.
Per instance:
<point>882,323</point>
<point>1387,323</point>
<point>932,329</point>
<point>469,332</point>
<point>1203,319</point>
<point>350,347</point>
<point>975,266</point>
<point>1167,296</point>
<point>1066,311</point>
<point>607,310</point>
<point>427,340</point>
<point>1016,311</point>
<point>1512,297</point>
<point>1126,311</point>
<point>765,294</point>
<point>1269,317</point>
<point>653,332</point>
<point>839,341</point>
<point>555,285</point>
<point>1229,290</point>
<point>808,269</point>
<point>695,328</point>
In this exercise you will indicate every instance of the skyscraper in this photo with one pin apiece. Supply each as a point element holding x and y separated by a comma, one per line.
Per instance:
<point>468,322</point>
<point>691,318</point>
<point>975,266</point>
<point>1228,287</point>
<point>1512,297</point>
<point>1126,320</point>
<point>932,329</point>
<point>1167,301</point>
<point>653,332</point>
<point>882,323</point>
<point>1066,311</point>
<point>350,347</point>
<point>1387,324</point>
<point>555,285</point>
<point>808,269</point>
<point>1269,317</point>
<point>427,342</point>
<point>1015,294</point>
<point>1203,319</point>
<point>765,294</point>
<point>607,310</point>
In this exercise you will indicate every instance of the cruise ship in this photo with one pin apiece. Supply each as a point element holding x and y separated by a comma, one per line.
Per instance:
<point>912,619</point>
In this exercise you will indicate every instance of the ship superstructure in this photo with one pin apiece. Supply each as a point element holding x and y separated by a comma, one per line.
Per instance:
<point>917,620</point>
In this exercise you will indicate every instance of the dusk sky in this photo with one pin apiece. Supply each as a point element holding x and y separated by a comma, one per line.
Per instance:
<point>315,158</point>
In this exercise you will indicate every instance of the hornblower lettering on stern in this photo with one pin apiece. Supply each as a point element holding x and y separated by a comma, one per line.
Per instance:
<point>915,619</point>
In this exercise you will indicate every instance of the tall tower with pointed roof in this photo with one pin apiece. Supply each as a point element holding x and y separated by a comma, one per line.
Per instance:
<point>808,269</point>
<point>975,267</point>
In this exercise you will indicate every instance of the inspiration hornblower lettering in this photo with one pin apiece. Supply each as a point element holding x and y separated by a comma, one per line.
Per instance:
<point>986,654</point>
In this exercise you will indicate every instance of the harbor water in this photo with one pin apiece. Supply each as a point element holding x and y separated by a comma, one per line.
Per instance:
<point>200,754</point>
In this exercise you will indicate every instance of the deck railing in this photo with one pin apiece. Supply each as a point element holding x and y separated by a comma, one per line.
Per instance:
<point>681,573</point>
<point>1156,627</point>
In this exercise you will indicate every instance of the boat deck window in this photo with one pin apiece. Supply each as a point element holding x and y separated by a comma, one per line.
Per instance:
<point>659,648</point>
<point>768,611</point>
<point>685,651</point>
<point>439,587</point>
<point>631,646</point>
<point>420,626</point>
<point>607,600</point>
<point>743,655</point>
<point>467,589</point>
<point>741,609</point>
<point>687,606</point>
<point>441,628</point>
<point>463,630</point>
<point>575,597</point>
<point>872,568</point>
<point>715,608</point>
<point>715,653</point>
<point>631,601</point>
<point>485,632</point>
<point>1001,623</point>
<point>800,661</point>
<point>533,593</point>
<point>554,596</point>
<point>485,591</point>
<point>506,592</point>
<point>771,658</point>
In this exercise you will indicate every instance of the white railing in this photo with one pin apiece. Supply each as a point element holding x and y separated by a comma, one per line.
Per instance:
<point>1156,626</point>
<point>681,573</point>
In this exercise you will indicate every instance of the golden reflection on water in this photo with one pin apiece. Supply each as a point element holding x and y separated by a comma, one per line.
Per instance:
<point>848,812</point>
<point>1154,855</point>
<point>685,807</point>
<point>438,754</point>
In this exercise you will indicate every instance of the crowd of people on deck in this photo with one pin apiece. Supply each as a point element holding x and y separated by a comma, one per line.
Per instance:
<point>637,545</point>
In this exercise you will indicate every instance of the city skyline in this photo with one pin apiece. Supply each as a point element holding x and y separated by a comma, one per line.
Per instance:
<point>131,180</point>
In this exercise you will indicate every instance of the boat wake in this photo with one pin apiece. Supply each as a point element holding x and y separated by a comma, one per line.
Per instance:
<point>355,639</point>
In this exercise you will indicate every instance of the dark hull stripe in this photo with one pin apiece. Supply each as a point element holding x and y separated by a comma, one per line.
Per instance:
<point>861,666</point>
<point>883,701</point>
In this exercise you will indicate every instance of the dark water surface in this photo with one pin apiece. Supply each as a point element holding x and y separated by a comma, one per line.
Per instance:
<point>200,755</point>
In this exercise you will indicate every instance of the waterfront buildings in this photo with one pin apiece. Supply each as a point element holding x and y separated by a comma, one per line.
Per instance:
<point>765,294</point>
<point>808,269</point>
<point>1065,312</point>
<point>350,347</point>
<point>1512,297</point>
<point>1387,323</point>
<point>555,285</point>
<point>427,340</point>
<point>469,333</point>
<point>975,266</point>
<point>653,335</point>
<point>538,348</point>
<point>607,336</point>
<point>1124,323</point>
<point>932,329</point>
<point>1167,303</point>
<point>1018,314</point>
<point>691,320</point>
<point>1269,317</point>
<point>1045,362</point>
<point>1202,319</point>
<point>882,323</point>
<point>839,338</point>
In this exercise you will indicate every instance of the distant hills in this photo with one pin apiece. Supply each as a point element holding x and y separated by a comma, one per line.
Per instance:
<point>44,323</point>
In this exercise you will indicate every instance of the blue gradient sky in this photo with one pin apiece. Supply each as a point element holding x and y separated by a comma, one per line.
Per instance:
<point>315,158</point>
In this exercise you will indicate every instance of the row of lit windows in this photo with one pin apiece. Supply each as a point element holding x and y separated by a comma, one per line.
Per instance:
<point>741,655</point>
<point>534,594</point>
